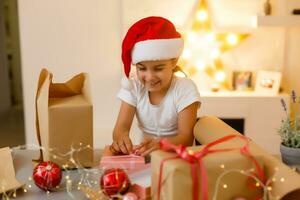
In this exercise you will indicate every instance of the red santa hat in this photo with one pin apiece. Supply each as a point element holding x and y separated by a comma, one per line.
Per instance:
<point>151,38</point>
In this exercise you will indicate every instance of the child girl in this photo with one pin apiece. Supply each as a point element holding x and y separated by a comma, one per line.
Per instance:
<point>165,105</point>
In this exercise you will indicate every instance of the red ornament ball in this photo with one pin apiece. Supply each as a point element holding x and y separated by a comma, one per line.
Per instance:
<point>114,181</point>
<point>47,175</point>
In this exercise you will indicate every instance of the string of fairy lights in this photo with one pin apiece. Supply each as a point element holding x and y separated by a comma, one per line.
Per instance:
<point>87,180</point>
<point>71,181</point>
<point>204,46</point>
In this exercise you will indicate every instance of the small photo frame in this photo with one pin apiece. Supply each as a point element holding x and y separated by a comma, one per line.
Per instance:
<point>268,82</point>
<point>241,80</point>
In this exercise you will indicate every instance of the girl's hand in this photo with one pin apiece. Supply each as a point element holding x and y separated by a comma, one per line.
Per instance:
<point>122,145</point>
<point>147,146</point>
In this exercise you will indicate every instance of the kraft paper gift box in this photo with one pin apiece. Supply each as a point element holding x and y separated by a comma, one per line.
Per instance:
<point>227,174</point>
<point>130,163</point>
<point>7,173</point>
<point>284,183</point>
<point>64,119</point>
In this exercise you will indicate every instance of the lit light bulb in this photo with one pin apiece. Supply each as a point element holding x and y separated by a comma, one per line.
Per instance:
<point>186,54</point>
<point>200,65</point>
<point>202,15</point>
<point>215,53</point>
<point>269,188</point>
<point>220,76</point>
<point>192,36</point>
<point>210,37</point>
<point>224,186</point>
<point>232,39</point>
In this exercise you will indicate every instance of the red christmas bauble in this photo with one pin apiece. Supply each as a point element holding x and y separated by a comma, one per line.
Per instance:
<point>47,175</point>
<point>114,181</point>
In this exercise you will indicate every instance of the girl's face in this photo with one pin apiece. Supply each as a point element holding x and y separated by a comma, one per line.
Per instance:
<point>156,75</point>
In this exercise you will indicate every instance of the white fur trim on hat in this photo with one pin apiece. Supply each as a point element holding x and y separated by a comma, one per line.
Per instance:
<point>159,49</point>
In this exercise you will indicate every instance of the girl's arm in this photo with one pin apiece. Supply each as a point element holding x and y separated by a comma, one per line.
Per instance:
<point>121,141</point>
<point>186,121</point>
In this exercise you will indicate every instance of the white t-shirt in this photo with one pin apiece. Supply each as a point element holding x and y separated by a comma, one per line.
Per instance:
<point>162,119</point>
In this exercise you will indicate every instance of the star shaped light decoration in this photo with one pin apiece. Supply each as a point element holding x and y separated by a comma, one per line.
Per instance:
<point>203,46</point>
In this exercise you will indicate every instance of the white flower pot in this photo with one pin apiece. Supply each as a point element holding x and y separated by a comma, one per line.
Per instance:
<point>290,156</point>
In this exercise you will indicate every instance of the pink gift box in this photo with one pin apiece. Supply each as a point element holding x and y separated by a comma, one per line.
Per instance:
<point>131,163</point>
<point>141,183</point>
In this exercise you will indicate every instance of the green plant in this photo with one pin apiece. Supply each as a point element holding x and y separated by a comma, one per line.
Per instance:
<point>290,127</point>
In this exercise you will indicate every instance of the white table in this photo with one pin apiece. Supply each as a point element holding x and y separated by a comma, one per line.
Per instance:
<point>24,167</point>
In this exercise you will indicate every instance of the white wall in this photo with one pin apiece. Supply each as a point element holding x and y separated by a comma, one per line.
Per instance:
<point>71,36</point>
<point>68,37</point>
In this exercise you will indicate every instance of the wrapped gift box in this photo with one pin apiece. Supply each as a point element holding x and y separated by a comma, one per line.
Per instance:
<point>284,183</point>
<point>226,179</point>
<point>131,163</point>
<point>141,183</point>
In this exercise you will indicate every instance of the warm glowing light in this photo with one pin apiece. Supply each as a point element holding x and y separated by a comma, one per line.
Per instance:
<point>200,65</point>
<point>186,54</point>
<point>224,186</point>
<point>210,37</point>
<point>202,15</point>
<point>257,184</point>
<point>269,188</point>
<point>220,76</point>
<point>282,179</point>
<point>215,53</point>
<point>232,39</point>
<point>192,36</point>
<point>222,166</point>
<point>190,152</point>
<point>179,74</point>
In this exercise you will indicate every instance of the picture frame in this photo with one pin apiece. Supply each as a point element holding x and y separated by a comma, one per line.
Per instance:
<point>268,82</point>
<point>241,80</point>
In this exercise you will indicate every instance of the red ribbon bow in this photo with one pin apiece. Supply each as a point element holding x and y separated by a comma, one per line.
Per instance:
<point>195,158</point>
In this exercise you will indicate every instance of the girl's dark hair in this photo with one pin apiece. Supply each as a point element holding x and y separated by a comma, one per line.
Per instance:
<point>178,69</point>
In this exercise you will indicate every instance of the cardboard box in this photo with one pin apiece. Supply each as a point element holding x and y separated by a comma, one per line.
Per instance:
<point>284,182</point>
<point>177,180</point>
<point>64,119</point>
